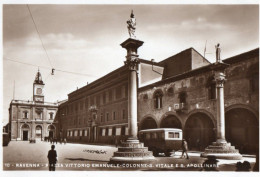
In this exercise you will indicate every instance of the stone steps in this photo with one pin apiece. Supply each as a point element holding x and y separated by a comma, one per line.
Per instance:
<point>131,149</point>
<point>133,154</point>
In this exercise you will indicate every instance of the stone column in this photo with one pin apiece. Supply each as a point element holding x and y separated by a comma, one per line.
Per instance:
<point>132,151</point>
<point>132,98</point>
<point>220,79</point>
<point>221,149</point>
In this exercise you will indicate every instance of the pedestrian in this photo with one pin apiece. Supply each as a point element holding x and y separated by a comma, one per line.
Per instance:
<point>65,140</point>
<point>60,140</point>
<point>52,157</point>
<point>184,147</point>
<point>51,140</point>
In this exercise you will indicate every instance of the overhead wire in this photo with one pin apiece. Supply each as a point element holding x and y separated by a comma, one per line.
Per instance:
<point>45,67</point>
<point>39,35</point>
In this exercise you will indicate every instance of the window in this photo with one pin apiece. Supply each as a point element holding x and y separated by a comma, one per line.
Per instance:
<point>158,99</point>
<point>118,92</point>
<point>51,115</point>
<point>107,118</point>
<point>25,114</point>
<point>114,115</point>
<point>173,135</point>
<point>182,97</point>
<point>102,117</point>
<point>104,98</point>
<point>110,95</point>
<point>86,104</point>
<point>145,97</point>
<point>123,91</point>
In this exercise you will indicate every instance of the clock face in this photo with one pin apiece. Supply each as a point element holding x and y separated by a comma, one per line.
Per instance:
<point>39,91</point>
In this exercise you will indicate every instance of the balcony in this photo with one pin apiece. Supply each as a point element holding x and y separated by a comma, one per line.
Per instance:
<point>178,107</point>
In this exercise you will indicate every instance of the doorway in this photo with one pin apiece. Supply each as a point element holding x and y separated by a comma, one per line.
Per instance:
<point>25,135</point>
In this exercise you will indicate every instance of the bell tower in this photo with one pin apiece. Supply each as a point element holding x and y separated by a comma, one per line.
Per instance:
<point>38,86</point>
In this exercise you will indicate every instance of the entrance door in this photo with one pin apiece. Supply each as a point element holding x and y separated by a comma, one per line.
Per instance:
<point>51,134</point>
<point>25,135</point>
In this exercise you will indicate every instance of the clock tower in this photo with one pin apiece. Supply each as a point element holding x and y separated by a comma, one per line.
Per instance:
<point>38,85</point>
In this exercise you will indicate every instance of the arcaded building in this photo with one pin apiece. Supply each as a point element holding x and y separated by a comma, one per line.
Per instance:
<point>33,119</point>
<point>186,98</point>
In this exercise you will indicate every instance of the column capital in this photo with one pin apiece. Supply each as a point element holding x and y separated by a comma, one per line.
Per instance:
<point>132,64</point>
<point>220,79</point>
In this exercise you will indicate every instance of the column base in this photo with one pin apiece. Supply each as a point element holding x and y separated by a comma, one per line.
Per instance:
<point>132,152</point>
<point>222,150</point>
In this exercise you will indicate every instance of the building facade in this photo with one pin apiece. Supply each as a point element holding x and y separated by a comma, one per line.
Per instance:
<point>98,112</point>
<point>188,101</point>
<point>33,119</point>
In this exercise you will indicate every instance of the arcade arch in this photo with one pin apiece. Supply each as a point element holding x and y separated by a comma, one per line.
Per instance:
<point>199,131</point>
<point>148,123</point>
<point>242,130</point>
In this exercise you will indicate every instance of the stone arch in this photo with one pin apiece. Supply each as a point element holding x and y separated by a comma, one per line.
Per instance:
<point>242,128</point>
<point>38,132</point>
<point>25,131</point>
<point>148,122</point>
<point>170,120</point>
<point>51,131</point>
<point>199,130</point>
<point>209,114</point>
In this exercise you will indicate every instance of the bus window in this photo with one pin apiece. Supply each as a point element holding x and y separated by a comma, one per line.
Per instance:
<point>147,136</point>
<point>176,135</point>
<point>170,134</point>
<point>154,135</point>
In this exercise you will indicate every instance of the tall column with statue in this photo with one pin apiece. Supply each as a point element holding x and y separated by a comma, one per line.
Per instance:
<point>132,151</point>
<point>221,148</point>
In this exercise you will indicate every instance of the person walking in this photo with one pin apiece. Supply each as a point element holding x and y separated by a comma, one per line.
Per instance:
<point>184,147</point>
<point>52,157</point>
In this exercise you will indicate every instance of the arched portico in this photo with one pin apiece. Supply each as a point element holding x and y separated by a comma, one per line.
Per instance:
<point>51,129</point>
<point>148,123</point>
<point>199,130</point>
<point>170,121</point>
<point>242,129</point>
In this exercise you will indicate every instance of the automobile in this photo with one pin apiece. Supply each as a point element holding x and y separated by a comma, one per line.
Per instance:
<point>161,140</point>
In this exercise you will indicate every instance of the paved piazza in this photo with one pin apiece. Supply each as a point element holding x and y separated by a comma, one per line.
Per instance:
<point>22,155</point>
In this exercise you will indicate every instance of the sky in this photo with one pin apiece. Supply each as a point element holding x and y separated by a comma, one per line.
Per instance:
<point>86,39</point>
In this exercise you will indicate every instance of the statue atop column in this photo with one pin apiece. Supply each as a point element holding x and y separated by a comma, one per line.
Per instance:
<point>131,23</point>
<point>218,50</point>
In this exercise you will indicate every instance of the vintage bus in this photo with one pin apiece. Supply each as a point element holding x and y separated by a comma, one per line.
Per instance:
<point>161,140</point>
